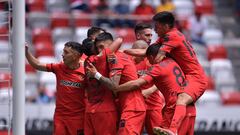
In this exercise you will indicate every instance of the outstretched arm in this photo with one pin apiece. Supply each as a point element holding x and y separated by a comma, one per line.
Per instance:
<point>147,92</point>
<point>34,62</point>
<point>113,83</point>
<point>116,44</point>
<point>136,52</point>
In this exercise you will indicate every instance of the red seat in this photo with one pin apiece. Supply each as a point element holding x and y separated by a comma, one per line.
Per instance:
<point>5,80</point>
<point>230,98</point>
<point>127,34</point>
<point>4,33</point>
<point>36,5</point>
<point>216,52</point>
<point>60,19</point>
<point>211,83</point>
<point>29,68</point>
<point>42,34</point>
<point>204,6</point>
<point>44,49</point>
<point>81,19</point>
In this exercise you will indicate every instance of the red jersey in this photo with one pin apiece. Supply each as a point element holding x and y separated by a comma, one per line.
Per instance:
<point>100,99</point>
<point>174,43</point>
<point>124,66</point>
<point>70,93</point>
<point>169,78</point>
<point>155,100</point>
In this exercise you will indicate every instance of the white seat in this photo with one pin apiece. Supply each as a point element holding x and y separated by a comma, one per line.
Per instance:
<point>63,34</point>
<point>210,98</point>
<point>222,72</point>
<point>38,20</point>
<point>80,34</point>
<point>213,36</point>
<point>184,8</point>
<point>58,48</point>
<point>57,5</point>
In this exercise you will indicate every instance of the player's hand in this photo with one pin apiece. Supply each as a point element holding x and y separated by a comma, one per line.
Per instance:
<point>91,70</point>
<point>146,93</point>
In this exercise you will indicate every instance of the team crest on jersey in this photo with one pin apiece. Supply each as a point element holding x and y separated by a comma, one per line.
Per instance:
<point>112,59</point>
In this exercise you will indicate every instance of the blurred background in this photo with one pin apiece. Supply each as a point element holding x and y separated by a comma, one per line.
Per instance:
<point>212,26</point>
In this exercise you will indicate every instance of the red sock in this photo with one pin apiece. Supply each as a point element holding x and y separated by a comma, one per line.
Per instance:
<point>179,114</point>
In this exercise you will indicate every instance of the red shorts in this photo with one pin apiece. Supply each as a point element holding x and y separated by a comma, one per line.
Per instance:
<point>100,123</point>
<point>187,126</point>
<point>167,115</point>
<point>68,125</point>
<point>153,119</point>
<point>195,88</point>
<point>131,123</point>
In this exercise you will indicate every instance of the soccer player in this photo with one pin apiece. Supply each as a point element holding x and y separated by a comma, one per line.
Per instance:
<point>131,103</point>
<point>70,106</point>
<point>143,31</point>
<point>174,43</point>
<point>169,79</point>
<point>100,105</point>
<point>153,97</point>
<point>91,35</point>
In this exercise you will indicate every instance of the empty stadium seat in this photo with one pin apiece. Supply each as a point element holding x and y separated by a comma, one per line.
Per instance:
<point>211,83</point>
<point>38,20</point>
<point>62,34</point>
<point>81,19</point>
<point>41,35</point>
<point>210,98</point>
<point>230,98</point>
<point>184,8</point>
<point>218,51</point>
<point>57,6</point>
<point>222,72</point>
<point>5,80</point>
<point>4,32</point>
<point>204,6</point>
<point>127,34</point>
<point>80,34</point>
<point>36,5</point>
<point>213,36</point>
<point>4,54</point>
<point>58,49</point>
<point>59,19</point>
<point>44,49</point>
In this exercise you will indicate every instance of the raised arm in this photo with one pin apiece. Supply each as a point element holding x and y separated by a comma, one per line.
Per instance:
<point>34,62</point>
<point>160,56</point>
<point>136,52</point>
<point>116,44</point>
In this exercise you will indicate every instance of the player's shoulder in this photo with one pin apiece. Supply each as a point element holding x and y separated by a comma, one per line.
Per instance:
<point>173,35</point>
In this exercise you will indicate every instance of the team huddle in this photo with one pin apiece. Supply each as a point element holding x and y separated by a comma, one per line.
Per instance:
<point>104,91</point>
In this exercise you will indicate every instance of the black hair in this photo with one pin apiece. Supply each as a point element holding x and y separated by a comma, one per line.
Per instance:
<point>74,45</point>
<point>87,46</point>
<point>153,49</point>
<point>103,37</point>
<point>165,17</point>
<point>94,30</point>
<point>141,26</point>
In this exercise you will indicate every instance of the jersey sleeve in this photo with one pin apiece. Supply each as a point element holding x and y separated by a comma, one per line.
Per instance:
<point>51,67</point>
<point>154,71</point>
<point>170,42</point>
<point>115,65</point>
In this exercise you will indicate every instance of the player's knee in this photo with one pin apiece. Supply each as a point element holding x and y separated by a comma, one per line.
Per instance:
<point>184,99</point>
